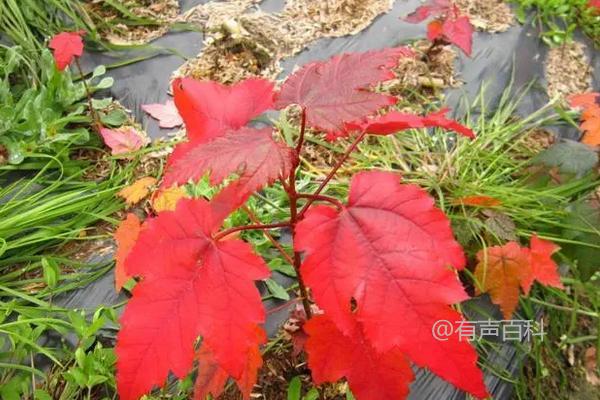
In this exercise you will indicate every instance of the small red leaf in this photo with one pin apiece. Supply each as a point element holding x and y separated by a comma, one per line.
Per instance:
<point>389,253</point>
<point>371,376</point>
<point>435,30</point>
<point>459,31</point>
<point>594,4</point>
<point>337,91</point>
<point>500,271</point>
<point>395,121</point>
<point>191,286</point>
<point>477,201</point>
<point>584,100</point>
<point>166,114</point>
<point>543,268</point>
<point>209,109</point>
<point>122,140</point>
<point>65,46</point>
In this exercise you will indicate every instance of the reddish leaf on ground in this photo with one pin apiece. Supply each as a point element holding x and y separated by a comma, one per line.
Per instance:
<point>590,117</point>
<point>432,8</point>
<point>389,253</point>
<point>543,268</point>
<point>595,4</point>
<point>191,286</point>
<point>253,154</point>
<point>502,269</point>
<point>166,114</point>
<point>395,121</point>
<point>499,272</point>
<point>459,31</point>
<point>122,140</point>
<point>138,190</point>
<point>209,109</point>
<point>166,199</point>
<point>337,91</point>
<point>435,30</point>
<point>125,236</point>
<point>371,375</point>
<point>477,201</point>
<point>65,46</point>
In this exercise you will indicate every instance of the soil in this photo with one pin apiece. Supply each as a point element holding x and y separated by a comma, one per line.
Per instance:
<point>241,42</point>
<point>567,70</point>
<point>488,15</point>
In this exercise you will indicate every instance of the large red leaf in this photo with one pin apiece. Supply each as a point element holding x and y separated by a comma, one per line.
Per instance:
<point>395,121</point>
<point>209,109</point>
<point>371,376</point>
<point>336,91</point>
<point>66,46</point>
<point>191,286</point>
<point>251,153</point>
<point>386,260</point>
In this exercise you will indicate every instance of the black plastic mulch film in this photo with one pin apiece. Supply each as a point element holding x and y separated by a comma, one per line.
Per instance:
<point>496,59</point>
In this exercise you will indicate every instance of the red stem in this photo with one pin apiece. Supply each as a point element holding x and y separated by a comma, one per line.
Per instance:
<point>320,197</point>
<point>333,171</point>
<point>229,231</point>
<point>293,196</point>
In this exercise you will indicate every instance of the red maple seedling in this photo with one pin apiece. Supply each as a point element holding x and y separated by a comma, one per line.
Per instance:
<point>448,27</point>
<point>381,265</point>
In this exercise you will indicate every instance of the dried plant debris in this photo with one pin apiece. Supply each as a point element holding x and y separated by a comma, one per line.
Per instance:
<point>110,20</point>
<point>488,15</point>
<point>243,41</point>
<point>567,70</point>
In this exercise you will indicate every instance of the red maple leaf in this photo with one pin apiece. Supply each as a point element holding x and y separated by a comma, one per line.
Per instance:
<point>449,25</point>
<point>459,31</point>
<point>502,269</point>
<point>385,260</point>
<point>251,153</point>
<point>543,268</point>
<point>65,46</point>
<point>371,376</point>
<point>336,91</point>
<point>395,121</point>
<point>192,285</point>
<point>209,109</point>
<point>166,114</point>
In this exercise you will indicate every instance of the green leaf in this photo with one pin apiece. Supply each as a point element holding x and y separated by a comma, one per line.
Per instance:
<point>114,118</point>
<point>51,272</point>
<point>281,266</point>
<point>570,157</point>
<point>294,389</point>
<point>99,71</point>
<point>100,104</point>
<point>105,83</point>
<point>583,227</point>
<point>313,394</point>
<point>277,290</point>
